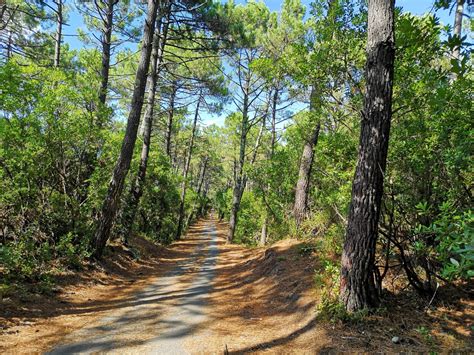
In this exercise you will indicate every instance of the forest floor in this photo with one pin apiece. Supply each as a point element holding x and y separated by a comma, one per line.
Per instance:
<point>201,295</point>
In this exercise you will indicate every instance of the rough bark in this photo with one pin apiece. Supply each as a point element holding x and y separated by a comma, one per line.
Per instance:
<point>112,199</point>
<point>304,175</point>
<point>458,26</point>
<point>187,163</point>
<point>106,45</point>
<point>357,289</point>
<point>136,190</point>
<point>59,31</point>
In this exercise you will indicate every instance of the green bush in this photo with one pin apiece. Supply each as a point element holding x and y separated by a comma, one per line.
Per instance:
<point>453,232</point>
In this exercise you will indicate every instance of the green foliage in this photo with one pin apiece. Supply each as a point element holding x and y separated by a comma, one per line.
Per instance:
<point>251,212</point>
<point>30,260</point>
<point>306,249</point>
<point>453,233</point>
<point>427,204</point>
<point>157,215</point>
<point>426,334</point>
<point>330,308</point>
<point>45,132</point>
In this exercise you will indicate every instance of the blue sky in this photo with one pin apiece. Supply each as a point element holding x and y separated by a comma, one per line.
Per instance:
<point>414,6</point>
<point>417,7</point>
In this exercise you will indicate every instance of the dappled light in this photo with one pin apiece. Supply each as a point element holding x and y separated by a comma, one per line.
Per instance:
<point>208,176</point>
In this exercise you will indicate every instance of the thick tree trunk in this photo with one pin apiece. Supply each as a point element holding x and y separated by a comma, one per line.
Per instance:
<point>239,171</point>
<point>112,200</point>
<point>136,190</point>
<point>458,26</point>
<point>357,289</point>
<point>187,163</point>
<point>106,44</point>
<point>169,126</point>
<point>59,32</point>
<point>306,164</point>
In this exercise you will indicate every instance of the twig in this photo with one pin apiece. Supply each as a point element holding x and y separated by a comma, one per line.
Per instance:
<point>434,294</point>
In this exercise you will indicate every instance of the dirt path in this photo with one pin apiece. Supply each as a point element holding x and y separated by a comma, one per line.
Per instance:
<point>161,318</point>
<point>203,296</point>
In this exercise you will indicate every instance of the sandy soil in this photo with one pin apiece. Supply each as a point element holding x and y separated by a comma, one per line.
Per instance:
<point>266,301</point>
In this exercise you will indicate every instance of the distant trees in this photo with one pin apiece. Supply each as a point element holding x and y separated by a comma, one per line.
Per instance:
<point>249,87</point>
<point>458,6</point>
<point>111,202</point>
<point>300,207</point>
<point>101,15</point>
<point>21,34</point>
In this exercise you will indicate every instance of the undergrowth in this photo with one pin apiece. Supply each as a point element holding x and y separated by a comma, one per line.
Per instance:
<point>26,260</point>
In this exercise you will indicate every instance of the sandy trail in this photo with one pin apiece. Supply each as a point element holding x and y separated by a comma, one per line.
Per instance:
<point>202,296</point>
<point>161,318</point>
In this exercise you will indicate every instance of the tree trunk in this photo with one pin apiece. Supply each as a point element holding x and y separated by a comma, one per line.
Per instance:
<point>90,156</point>
<point>239,178</point>
<point>274,110</point>
<point>258,141</point>
<point>169,128</point>
<point>106,44</point>
<point>458,26</point>
<point>59,31</point>
<point>204,196</point>
<point>136,190</point>
<point>357,289</point>
<point>203,174</point>
<point>306,164</point>
<point>198,192</point>
<point>187,163</point>
<point>263,234</point>
<point>9,44</point>
<point>112,200</point>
